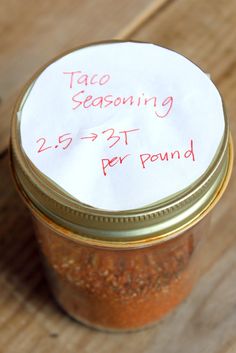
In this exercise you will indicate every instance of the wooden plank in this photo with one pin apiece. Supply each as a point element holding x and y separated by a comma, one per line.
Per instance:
<point>141,19</point>
<point>33,32</point>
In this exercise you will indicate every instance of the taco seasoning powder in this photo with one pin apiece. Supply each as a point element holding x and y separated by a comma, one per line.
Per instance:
<point>116,269</point>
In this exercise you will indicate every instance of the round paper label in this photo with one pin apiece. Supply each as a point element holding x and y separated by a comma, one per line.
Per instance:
<point>122,125</point>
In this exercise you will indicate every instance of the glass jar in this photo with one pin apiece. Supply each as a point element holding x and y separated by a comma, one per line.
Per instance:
<point>119,288</point>
<point>119,270</point>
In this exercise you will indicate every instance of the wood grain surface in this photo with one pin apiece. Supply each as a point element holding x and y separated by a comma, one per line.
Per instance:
<point>31,33</point>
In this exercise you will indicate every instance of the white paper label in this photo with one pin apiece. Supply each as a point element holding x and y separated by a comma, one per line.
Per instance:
<point>122,125</point>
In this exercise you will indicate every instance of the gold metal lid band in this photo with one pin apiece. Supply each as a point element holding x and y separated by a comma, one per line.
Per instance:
<point>158,220</point>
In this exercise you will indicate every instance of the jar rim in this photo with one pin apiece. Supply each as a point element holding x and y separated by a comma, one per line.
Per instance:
<point>159,220</point>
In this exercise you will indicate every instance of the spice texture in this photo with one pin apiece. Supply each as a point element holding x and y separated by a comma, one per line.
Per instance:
<point>120,289</point>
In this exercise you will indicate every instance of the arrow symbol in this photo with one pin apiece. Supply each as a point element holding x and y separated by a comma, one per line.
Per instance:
<point>92,137</point>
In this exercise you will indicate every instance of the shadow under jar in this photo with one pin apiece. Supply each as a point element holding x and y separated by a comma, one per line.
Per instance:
<point>120,270</point>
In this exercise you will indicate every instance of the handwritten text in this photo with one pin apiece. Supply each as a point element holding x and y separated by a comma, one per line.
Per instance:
<point>145,160</point>
<point>63,141</point>
<point>83,99</point>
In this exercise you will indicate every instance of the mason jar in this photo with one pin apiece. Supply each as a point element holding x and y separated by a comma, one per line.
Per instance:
<point>118,270</point>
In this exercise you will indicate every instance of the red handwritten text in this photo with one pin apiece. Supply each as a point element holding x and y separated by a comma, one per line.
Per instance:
<point>93,137</point>
<point>109,163</point>
<point>80,78</point>
<point>112,136</point>
<point>63,141</point>
<point>145,160</point>
<point>148,158</point>
<point>162,108</point>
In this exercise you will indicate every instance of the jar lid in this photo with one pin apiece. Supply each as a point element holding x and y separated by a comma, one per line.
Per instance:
<point>111,103</point>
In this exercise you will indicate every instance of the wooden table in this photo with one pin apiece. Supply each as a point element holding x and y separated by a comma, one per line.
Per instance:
<point>31,33</point>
